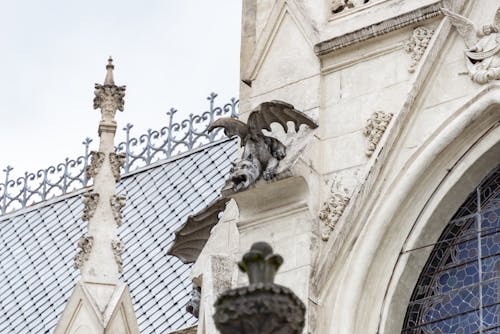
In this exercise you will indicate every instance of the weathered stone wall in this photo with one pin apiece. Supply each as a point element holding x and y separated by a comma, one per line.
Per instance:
<point>404,133</point>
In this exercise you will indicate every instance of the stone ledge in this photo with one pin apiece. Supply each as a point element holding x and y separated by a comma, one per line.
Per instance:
<point>378,29</point>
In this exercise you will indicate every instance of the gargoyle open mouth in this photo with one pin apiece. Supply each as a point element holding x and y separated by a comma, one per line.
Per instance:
<point>241,178</point>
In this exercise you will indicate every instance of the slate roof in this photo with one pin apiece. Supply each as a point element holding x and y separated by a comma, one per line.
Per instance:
<point>38,244</point>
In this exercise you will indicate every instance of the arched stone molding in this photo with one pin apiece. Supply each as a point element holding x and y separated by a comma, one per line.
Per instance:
<point>376,280</point>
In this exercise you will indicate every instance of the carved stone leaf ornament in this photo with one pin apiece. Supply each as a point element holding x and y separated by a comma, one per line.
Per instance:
<point>85,247</point>
<point>90,200</point>
<point>482,53</point>
<point>109,97</point>
<point>331,211</point>
<point>417,44</point>
<point>375,128</point>
<point>116,160</point>
<point>96,160</point>
<point>117,203</point>
<point>117,246</point>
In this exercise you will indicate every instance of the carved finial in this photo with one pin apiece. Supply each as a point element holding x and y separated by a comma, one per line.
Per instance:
<point>109,73</point>
<point>109,98</point>
<point>263,306</point>
<point>260,264</point>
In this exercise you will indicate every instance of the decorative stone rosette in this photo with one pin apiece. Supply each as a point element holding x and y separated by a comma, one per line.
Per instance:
<point>417,44</point>
<point>116,160</point>
<point>118,247</point>
<point>85,247</point>
<point>90,200</point>
<point>117,203</point>
<point>375,128</point>
<point>96,160</point>
<point>331,211</point>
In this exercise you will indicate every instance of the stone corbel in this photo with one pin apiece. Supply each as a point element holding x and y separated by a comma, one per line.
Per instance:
<point>85,245</point>
<point>116,160</point>
<point>375,128</point>
<point>90,200</point>
<point>117,203</point>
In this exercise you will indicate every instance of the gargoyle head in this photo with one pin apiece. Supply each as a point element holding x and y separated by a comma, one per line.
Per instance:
<point>244,173</point>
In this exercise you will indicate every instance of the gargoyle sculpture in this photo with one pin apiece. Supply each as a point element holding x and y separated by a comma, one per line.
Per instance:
<point>261,154</point>
<point>483,46</point>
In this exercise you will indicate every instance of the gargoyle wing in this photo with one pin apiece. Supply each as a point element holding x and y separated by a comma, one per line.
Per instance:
<point>232,127</point>
<point>464,26</point>
<point>277,111</point>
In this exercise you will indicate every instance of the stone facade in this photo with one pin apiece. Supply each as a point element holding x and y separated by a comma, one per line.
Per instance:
<point>442,137</point>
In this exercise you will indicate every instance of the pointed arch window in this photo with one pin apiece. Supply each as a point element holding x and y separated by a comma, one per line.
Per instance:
<point>458,291</point>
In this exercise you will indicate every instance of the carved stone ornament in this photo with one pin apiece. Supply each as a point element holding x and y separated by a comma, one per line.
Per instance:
<point>331,211</point>
<point>109,97</point>
<point>339,6</point>
<point>117,203</point>
<point>96,160</point>
<point>193,306</point>
<point>483,45</point>
<point>116,160</point>
<point>85,247</point>
<point>375,128</point>
<point>117,246</point>
<point>261,153</point>
<point>417,44</point>
<point>90,200</point>
<point>263,307</point>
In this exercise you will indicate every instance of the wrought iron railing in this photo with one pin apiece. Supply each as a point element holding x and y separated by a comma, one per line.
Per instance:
<point>173,139</point>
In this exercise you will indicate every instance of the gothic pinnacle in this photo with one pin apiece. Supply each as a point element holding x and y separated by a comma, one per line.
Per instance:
<point>109,98</point>
<point>109,73</point>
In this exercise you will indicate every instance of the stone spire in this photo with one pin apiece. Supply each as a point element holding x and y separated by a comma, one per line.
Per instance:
<point>99,255</point>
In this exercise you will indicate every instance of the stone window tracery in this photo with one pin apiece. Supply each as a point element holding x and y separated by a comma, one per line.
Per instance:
<point>458,290</point>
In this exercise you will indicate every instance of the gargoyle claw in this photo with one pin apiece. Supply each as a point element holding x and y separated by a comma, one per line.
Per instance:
<point>268,175</point>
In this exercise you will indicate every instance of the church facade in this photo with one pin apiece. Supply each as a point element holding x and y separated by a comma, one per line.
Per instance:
<point>387,214</point>
<point>383,200</point>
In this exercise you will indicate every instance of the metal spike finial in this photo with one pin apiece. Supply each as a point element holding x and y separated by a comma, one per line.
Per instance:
<point>109,72</point>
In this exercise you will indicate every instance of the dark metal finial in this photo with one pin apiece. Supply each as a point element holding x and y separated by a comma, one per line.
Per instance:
<point>260,264</point>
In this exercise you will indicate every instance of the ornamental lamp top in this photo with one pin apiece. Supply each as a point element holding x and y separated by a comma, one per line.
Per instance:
<point>260,264</point>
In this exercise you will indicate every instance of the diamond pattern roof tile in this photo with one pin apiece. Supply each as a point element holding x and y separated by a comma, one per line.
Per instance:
<point>38,245</point>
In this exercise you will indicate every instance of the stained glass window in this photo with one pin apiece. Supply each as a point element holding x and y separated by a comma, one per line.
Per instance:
<point>458,291</point>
